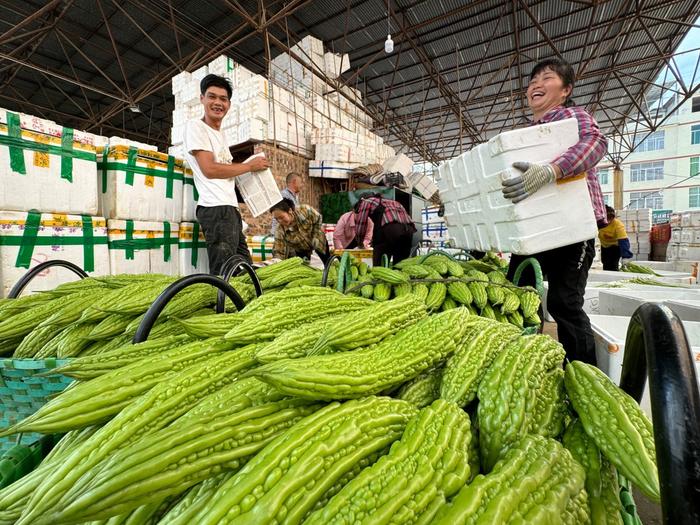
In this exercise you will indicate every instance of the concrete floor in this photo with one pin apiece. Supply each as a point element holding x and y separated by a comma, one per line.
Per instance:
<point>649,512</point>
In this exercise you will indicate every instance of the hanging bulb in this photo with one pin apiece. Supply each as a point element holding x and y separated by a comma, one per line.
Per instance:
<point>388,45</point>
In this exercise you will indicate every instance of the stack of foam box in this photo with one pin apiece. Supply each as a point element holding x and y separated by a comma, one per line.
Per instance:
<point>48,202</point>
<point>260,247</point>
<point>434,227</point>
<point>284,110</point>
<point>141,196</point>
<point>675,243</point>
<point>638,226</point>
<point>339,151</point>
<point>689,246</point>
<point>480,218</point>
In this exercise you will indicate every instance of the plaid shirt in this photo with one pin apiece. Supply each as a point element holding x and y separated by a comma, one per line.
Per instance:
<point>393,212</point>
<point>585,155</point>
<point>303,235</point>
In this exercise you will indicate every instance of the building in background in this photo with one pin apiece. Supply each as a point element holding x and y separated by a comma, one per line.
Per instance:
<point>662,171</point>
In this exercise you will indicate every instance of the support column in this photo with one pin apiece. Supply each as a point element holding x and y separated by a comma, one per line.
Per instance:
<point>618,186</point>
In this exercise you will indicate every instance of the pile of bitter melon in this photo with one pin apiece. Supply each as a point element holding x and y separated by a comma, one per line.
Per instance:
<point>313,406</point>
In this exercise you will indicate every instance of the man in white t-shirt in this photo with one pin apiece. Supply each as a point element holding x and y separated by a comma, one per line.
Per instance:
<point>214,175</point>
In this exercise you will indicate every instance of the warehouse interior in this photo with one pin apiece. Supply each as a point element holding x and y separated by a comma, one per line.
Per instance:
<point>455,78</point>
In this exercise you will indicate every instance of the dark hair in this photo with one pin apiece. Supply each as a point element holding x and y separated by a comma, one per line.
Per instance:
<point>561,68</point>
<point>215,81</point>
<point>291,176</point>
<point>609,210</point>
<point>285,205</point>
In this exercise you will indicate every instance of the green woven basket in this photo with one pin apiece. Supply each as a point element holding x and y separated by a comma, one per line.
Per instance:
<point>23,391</point>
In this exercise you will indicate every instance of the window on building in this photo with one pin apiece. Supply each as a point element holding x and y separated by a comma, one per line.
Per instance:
<point>696,104</point>
<point>653,200</point>
<point>606,199</point>
<point>652,142</point>
<point>603,176</point>
<point>643,171</point>
<point>694,198</point>
<point>695,134</point>
<point>694,166</point>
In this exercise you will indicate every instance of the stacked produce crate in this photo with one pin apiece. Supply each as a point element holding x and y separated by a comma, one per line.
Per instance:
<point>674,243</point>
<point>48,201</point>
<point>638,225</point>
<point>338,151</point>
<point>689,241</point>
<point>141,196</point>
<point>434,227</point>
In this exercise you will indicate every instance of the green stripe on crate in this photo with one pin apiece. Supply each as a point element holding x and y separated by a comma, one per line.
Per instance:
<point>14,132</point>
<point>66,160</point>
<point>190,180</point>
<point>130,245</point>
<point>195,244</point>
<point>30,239</point>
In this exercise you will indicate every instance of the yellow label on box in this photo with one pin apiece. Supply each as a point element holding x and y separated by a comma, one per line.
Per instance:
<point>41,158</point>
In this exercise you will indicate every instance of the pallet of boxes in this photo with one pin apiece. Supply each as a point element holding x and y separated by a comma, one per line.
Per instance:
<point>685,236</point>
<point>638,226</point>
<point>48,202</point>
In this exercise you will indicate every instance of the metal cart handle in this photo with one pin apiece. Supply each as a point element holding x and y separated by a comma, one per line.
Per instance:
<point>656,342</point>
<point>27,277</point>
<point>162,300</point>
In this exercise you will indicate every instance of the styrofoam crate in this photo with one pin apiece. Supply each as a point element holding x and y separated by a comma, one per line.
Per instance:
<point>480,217</point>
<point>676,235</point>
<point>673,251</point>
<point>610,333</point>
<point>260,247</point>
<point>44,166</point>
<point>140,185</point>
<point>688,309</point>
<point>331,170</point>
<point>143,247</point>
<point>689,252</point>
<point>401,163</point>
<point>190,196</point>
<point>625,302</point>
<point>690,218</point>
<point>668,276</point>
<point>192,249</point>
<point>422,184</point>
<point>31,238</point>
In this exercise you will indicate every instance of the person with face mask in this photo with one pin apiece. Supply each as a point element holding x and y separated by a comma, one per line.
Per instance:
<point>549,97</point>
<point>208,154</point>
<point>299,231</point>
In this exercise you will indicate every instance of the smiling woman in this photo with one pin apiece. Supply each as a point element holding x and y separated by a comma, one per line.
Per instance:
<point>549,97</point>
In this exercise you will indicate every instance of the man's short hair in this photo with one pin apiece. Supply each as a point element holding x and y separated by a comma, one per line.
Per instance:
<point>291,176</point>
<point>216,81</point>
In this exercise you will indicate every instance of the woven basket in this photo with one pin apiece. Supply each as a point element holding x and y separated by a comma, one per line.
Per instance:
<point>23,392</point>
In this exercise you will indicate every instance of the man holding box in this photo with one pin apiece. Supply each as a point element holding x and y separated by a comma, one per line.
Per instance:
<point>209,157</point>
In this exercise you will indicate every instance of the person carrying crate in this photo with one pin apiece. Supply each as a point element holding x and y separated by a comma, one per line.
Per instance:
<point>566,268</point>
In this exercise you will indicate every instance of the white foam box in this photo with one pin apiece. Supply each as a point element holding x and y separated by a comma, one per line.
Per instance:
<point>690,219</point>
<point>331,169</point>
<point>398,163</point>
<point>667,276</point>
<point>480,218</point>
<point>617,301</point>
<point>31,238</point>
<point>260,247</point>
<point>676,234</point>
<point>45,166</point>
<point>140,185</point>
<point>689,252</point>
<point>673,251</point>
<point>422,184</point>
<point>675,220</point>
<point>190,196</point>
<point>143,247</point>
<point>252,129</point>
<point>610,334</point>
<point>332,152</point>
<point>192,249</point>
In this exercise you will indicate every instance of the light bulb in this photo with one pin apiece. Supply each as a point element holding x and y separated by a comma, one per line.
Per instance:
<point>388,45</point>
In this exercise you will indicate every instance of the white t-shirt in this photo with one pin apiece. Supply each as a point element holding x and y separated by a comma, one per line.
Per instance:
<point>212,192</point>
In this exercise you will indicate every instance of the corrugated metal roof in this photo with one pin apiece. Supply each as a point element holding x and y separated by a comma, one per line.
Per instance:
<point>480,51</point>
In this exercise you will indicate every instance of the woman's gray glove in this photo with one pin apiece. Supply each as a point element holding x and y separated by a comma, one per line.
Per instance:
<point>535,176</point>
